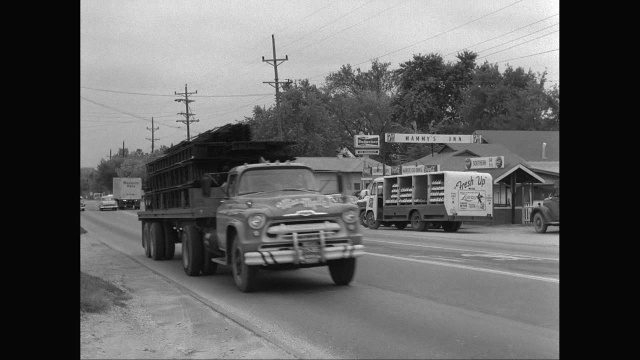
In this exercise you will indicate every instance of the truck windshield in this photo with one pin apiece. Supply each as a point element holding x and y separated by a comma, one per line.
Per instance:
<point>268,180</point>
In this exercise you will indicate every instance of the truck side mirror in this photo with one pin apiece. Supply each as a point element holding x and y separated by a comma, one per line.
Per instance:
<point>206,186</point>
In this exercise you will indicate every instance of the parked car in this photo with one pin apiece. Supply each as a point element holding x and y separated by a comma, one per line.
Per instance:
<point>107,203</point>
<point>81,204</point>
<point>548,213</point>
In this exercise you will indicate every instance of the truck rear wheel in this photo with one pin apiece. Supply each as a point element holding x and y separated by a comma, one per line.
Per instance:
<point>170,239</point>
<point>342,270</point>
<point>191,250</point>
<point>145,238</point>
<point>371,222</point>
<point>244,275</point>
<point>416,221</point>
<point>156,240</point>
<point>539,224</point>
<point>451,226</point>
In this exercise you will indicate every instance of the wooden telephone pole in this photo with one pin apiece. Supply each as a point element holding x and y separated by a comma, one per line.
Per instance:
<point>276,83</point>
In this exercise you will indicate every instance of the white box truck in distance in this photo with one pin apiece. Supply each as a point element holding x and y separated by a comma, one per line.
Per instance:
<point>442,199</point>
<point>127,192</point>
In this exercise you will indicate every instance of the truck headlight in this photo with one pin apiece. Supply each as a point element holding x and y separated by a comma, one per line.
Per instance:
<point>350,216</point>
<point>256,221</point>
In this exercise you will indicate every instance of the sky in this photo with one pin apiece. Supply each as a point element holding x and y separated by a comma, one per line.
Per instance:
<point>135,55</point>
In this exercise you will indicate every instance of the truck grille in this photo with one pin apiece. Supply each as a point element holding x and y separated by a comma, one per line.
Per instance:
<point>306,231</point>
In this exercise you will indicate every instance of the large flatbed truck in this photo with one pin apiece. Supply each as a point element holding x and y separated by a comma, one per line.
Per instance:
<point>232,201</point>
<point>436,200</point>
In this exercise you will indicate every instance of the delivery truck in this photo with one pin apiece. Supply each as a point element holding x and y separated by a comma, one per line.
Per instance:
<point>231,201</point>
<point>127,192</point>
<point>443,199</point>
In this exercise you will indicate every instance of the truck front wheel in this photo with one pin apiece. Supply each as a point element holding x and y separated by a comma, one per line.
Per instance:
<point>342,270</point>
<point>372,223</point>
<point>191,250</point>
<point>416,222</point>
<point>363,218</point>
<point>539,224</point>
<point>156,240</point>
<point>244,275</point>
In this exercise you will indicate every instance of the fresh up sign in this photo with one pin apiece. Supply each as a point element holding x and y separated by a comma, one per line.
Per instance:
<point>366,141</point>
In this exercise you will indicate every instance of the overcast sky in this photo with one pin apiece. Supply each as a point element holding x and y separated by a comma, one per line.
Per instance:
<point>135,55</point>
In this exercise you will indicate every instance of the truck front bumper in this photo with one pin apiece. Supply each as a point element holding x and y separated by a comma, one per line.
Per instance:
<point>300,256</point>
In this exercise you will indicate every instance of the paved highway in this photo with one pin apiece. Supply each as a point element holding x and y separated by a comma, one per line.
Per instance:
<point>483,292</point>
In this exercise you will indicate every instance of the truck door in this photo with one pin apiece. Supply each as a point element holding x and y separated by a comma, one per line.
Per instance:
<point>374,200</point>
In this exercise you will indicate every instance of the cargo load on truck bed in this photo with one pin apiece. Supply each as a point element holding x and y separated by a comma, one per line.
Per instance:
<point>172,177</point>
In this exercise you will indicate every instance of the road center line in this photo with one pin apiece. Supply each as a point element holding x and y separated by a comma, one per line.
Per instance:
<point>468,268</point>
<point>464,250</point>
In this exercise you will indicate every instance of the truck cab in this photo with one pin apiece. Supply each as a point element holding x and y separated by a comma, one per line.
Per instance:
<point>275,217</point>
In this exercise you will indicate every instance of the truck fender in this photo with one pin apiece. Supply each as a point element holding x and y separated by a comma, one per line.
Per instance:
<point>233,228</point>
<point>542,210</point>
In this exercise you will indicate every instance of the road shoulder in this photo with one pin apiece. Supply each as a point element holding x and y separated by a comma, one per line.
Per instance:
<point>159,321</point>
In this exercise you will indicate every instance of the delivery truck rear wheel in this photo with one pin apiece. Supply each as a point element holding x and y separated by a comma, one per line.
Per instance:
<point>372,223</point>
<point>145,238</point>
<point>342,270</point>
<point>363,218</point>
<point>191,250</point>
<point>451,226</point>
<point>400,225</point>
<point>244,275</point>
<point>416,221</point>
<point>156,240</point>
<point>170,238</point>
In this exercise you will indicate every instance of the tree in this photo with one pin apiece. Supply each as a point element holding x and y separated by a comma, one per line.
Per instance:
<point>513,100</point>
<point>360,101</point>
<point>431,90</point>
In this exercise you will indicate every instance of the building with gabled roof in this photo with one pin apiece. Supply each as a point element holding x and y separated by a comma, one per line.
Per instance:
<point>517,185</point>
<point>529,145</point>
<point>352,168</point>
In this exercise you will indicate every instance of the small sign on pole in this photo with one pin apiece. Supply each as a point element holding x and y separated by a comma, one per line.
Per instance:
<point>366,141</point>
<point>367,152</point>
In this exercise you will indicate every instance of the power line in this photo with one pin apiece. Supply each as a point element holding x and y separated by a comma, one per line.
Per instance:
<point>327,24</point>
<point>523,36</point>
<point>118,110</point>
<point>445,32</point>
<point>521,43</point>
<point>370,17</point>
<point>212,96</point>
<point>499,36</point>
<point>526,56</point>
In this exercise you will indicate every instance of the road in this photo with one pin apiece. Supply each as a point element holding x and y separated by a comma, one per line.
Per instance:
<point>483,292</point>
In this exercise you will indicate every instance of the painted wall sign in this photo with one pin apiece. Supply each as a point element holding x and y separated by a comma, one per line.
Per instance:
<point>366,141</point>
<point>367,152</point>
<point>432,139</point>
<point>419,169</point>
<point>492,162</point>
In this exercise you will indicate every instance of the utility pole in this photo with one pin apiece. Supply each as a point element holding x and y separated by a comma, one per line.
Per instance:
<point>152,135</point>
<point>123,149</point>
<point>187,114</point>
<point>276,83</point>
